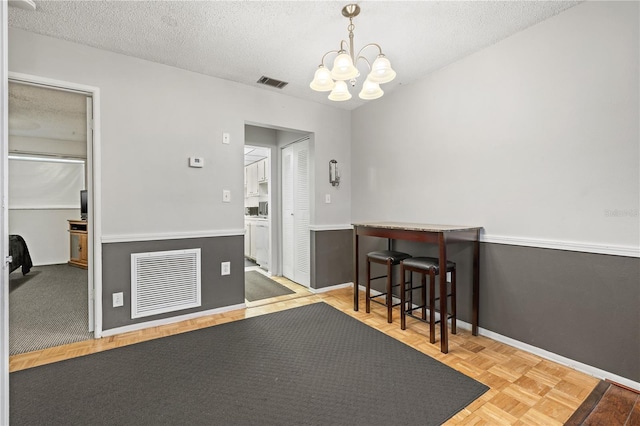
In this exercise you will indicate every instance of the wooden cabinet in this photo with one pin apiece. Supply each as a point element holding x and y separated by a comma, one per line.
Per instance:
<point>78,246</point>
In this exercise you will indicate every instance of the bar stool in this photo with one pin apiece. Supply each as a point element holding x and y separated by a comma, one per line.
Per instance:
<point>427,266</point>
<point>389,258</point>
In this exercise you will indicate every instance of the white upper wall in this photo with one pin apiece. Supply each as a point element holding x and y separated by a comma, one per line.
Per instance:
<point>535,137</point>
<point>154,117</point>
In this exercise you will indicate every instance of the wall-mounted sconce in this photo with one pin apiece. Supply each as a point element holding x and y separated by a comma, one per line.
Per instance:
<point>334,174</point>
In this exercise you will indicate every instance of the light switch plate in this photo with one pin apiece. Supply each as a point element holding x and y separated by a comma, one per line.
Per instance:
<point>226,139</point>
<point>327,198</point>
<point>226,196</point>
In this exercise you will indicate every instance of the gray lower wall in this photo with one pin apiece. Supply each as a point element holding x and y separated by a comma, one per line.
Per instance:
<point>582,306</point>
<point>217,290</point>
<point>331,257</point>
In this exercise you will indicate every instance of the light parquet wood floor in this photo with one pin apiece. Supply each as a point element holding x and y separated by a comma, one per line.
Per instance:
<point>525,389</point>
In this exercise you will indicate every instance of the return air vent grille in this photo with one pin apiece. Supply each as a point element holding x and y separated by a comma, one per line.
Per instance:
<point>164,281</point>
<point>272,82</point>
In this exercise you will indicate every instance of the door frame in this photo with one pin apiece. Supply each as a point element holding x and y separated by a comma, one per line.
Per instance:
<point>4,226</point>
<point>94,184</point>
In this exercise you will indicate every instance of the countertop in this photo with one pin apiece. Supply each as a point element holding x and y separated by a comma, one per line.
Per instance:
<point>256,218</point>
<point>417,226</point>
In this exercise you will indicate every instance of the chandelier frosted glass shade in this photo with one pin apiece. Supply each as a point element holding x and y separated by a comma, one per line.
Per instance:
<point>370,90</point>
<point>343,68</point>
<point>381,71</point>
<point>322,81</point>
<point>340,92</point>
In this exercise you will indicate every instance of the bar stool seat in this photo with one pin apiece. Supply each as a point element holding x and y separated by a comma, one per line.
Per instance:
<point>388,258</point>
<point>427,266</point>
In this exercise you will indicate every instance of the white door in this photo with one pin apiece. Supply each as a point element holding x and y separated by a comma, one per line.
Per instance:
<point>296,260</point>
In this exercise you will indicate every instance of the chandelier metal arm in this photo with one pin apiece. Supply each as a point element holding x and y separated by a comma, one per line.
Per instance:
<point>329,52</point>
<point>369,45</point>
<point>360,56</point>
<point>364,59</point>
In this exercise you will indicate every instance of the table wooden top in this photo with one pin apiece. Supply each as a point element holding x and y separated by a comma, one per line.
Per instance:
<point>421,227</point>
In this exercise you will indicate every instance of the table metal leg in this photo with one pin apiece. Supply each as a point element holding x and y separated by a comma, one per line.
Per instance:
<point>444,335</point>
<point>476,285</point>
<point>356,267</point>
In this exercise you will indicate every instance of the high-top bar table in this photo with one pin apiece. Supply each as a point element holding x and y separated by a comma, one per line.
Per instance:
<point>434,234</point>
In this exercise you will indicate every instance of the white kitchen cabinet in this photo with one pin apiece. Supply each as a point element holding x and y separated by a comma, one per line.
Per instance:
<point>263,171</point>
<point>252,180</point>
<point>252,253</point>
<point>247,239</point>
<point>250,237</point>
<point>256,240</point>
<point>262,243</point>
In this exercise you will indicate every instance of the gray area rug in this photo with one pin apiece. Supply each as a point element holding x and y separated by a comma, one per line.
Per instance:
<point>258,287</point>
<point>47,307</point>
<point>311,365</point>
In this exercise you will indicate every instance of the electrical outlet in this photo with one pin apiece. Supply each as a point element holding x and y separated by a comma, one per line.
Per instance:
<point>226,196</point>
<point>118,299</point>
<point>225,268</point>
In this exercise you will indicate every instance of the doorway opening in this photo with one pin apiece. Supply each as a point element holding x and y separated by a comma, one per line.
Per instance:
<point>257,165</point>
<point>263,212</point>
<point>49,178</point>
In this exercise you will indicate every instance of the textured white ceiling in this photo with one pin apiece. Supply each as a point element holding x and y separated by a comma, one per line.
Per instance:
<point>243,40</point>
<point>40,112</point>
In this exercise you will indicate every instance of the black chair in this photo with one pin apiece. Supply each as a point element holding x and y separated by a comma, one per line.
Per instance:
<point>427,266</point>
<point>388,258</point>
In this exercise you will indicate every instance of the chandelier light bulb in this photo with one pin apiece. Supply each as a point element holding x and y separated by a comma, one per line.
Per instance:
<point>340,92</point>
<point>322,81</point>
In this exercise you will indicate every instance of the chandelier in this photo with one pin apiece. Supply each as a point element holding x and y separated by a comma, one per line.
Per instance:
<point>345,68</point>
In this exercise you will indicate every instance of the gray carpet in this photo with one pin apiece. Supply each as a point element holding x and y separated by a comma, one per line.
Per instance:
<point>311,365</point>
<point>47,307</point>
<point>259,287</point>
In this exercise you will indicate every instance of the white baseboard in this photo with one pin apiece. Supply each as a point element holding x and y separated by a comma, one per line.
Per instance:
<point>542,353</point>
<point>330,288</point>
<point>567,362</point>
<point>171,320</point>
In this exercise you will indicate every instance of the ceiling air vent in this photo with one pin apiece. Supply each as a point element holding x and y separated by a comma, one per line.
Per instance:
<point>272,82</point>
